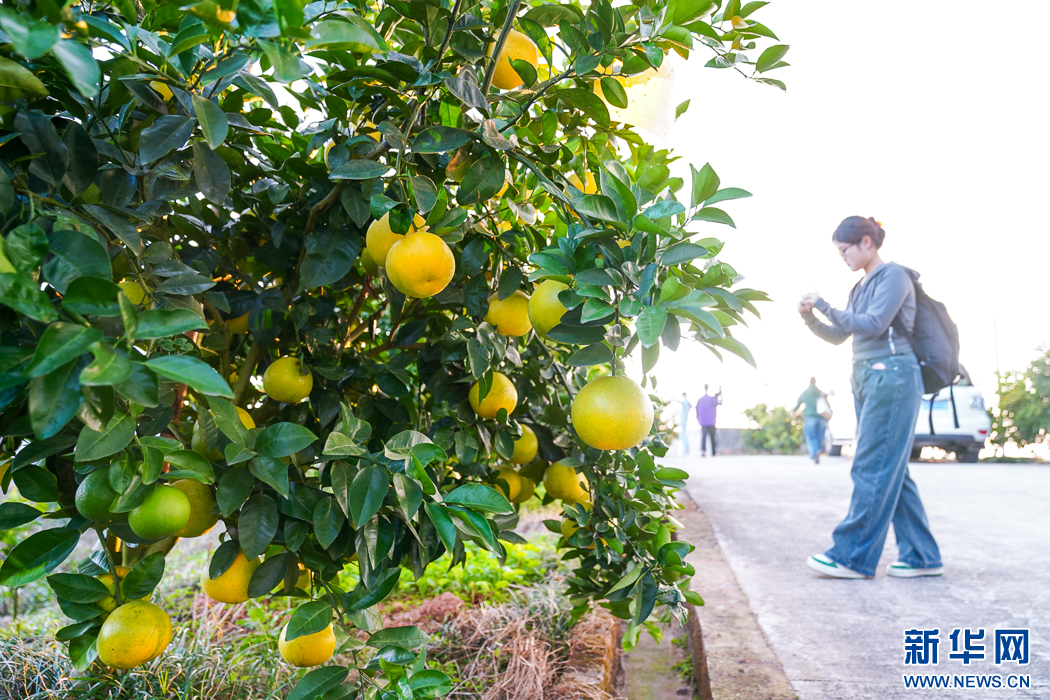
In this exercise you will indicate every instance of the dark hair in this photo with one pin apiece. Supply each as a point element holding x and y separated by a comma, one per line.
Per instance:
<point>853,229</point>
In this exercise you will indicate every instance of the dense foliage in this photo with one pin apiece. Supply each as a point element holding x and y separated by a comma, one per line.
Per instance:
<point>225,159</point>
<point>773,430</point>
<point>1023,413</point>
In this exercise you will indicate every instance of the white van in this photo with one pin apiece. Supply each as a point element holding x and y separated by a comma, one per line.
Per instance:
<point>963,431</point>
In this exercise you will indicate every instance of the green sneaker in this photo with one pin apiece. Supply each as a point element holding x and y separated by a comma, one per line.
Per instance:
<point>826,567</point>
<point>899,569</point>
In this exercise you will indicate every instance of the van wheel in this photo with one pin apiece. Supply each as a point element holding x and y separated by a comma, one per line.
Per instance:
<point>835,451</point>
<point>964,455</point>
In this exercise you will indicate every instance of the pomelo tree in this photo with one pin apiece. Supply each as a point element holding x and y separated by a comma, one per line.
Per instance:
<point>210,309</point>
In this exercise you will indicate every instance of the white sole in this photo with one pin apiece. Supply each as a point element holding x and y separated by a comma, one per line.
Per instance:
<point>913,573</point>
<point>836,571</point>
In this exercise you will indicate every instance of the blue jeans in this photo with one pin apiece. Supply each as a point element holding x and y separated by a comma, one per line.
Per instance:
<point>813,428</point>
<point>887,403</point>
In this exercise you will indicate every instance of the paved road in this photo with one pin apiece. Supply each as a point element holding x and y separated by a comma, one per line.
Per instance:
<point>839,639</point>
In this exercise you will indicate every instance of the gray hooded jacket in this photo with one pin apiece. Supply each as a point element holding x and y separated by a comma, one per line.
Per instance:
<point>873,305</point>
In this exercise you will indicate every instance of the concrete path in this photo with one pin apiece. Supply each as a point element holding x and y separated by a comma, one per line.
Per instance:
<point>840,640</point>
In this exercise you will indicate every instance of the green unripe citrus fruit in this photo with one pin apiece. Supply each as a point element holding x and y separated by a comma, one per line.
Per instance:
<point>163,513</point>
<point>95,496</point>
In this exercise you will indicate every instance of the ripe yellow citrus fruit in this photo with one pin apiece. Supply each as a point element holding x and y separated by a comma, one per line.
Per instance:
<point>379,238</point>
<point>369,262</point>
<point>528,487</point>
<point>525,447</point>
<point>513,485</point>
<point>568,527</point>
<point>200,445</point>
<point>562,481</point>
<point>109,603</point>
<point>591,186</point>
<point>163,513</point>
<point>612,413</point>
<point>95,496</point>
<point>309,650</point>
<point>545,311</point>
<point>232,585</point>
<point>202,501</point>
<point>133,634</point>
<point>420,265</point>
<point>501,395</point>
<point>133,291</point>
<point>518,47</point>
<point>303,581</point>
<point>239,324</point>
<point>284,380</point>
<point>163,89</point>
<point>506,184</point>
<point>510,316</point>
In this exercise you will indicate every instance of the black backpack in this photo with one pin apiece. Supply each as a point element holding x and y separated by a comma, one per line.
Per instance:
<point>935,340</point>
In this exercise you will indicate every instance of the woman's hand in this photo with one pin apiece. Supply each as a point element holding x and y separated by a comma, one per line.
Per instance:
<point>805,307</point>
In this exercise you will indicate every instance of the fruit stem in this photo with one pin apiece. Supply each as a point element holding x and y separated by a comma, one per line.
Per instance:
<point>508,24</point>
<point>112,565</point>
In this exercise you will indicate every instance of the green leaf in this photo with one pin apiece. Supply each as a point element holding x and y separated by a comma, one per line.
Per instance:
<point>367,493</point>
<point>440,139</point>
<point>480,497</point>
<point>596,354</point>
<point>270,573</point>
<point>349,34</point>
<point>318,682</point>
<point>682,252</point>
<point>329,256</point>
<point>13,514</point>
<point>328,520</point>
<point>726,194</point>
<point>80,65</point>
<point>114,437</point>
<point>446,529</point>
<point>141,387</point>
<point>681,109</point>
<point>61,343</point>
<point>271,471</point>
<point>120,226</point>
<point>283,440</point>
<point>360,169</point>
<point>171,132</point>
<point>54,398</point>
<point>165,323</point>
<point>705,184</point>
<point>109,367</point>
<point>650,356</point>
<point>401,445</point>
<point>614,93</point>
<point>713,214</point>
<point>213,121</point>
<point>409,495</point>
<point>672,474</point>
<point>225,554</point>
<point>21,294</point>
<point>191,371</point>
<point>482,181</point>
<point>144,577</point>
<point>37,556</point>
<point>187,464</point>
<point>587,101</point>
<point>30,36</point>
<point>406,637</point>
<point>430,684</point>
<point>308,618</point>
<point>233,490</point>
<point>257,525</point>
<point>770,57</point>
<point>577,335</point>
<point>551,14</point>
<point>363,597</point>
<point>77,587</point>
<point>228,420</point>
<point>37,484</point>
<point>650,325</point>
<point>17,82</point>
<point>92,296</point>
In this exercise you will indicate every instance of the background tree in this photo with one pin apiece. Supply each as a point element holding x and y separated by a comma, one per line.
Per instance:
<point>773,430</point>
<point>1023,413</point>
<point>197,195</point>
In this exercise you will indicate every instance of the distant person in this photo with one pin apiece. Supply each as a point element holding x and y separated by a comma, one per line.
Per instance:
<point>887,389</point>
<point>683,424</point>
<point>813,423</point>
<point>706,415</point>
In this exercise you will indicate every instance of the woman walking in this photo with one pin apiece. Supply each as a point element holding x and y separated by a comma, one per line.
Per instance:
<point>887,389</point>
<point>813,423</point>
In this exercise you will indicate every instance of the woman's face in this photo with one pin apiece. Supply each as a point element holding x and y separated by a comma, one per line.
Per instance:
<point>857,255</point>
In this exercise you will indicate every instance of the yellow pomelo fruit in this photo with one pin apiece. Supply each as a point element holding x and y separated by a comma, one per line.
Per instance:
<point>162,89</point>
<point>518,47</point>
<point>95,496</point>
<point>202,501</point>
<point>545,311</point>
<point>510,316</point>
<point>528,487</point>
<point>369,262</point>
<point>623,242</point>
<point>590,188</point>
<point>420,265</point>
<point>525,447</point>
<point>513,486</point>
<point>309,650</point>
<point>285,381</point>
<point>562,481</point>
<point>133,634</point>
<point>232,585</point>
<point>109,603</point>
<point>303,581</point>
<point>133,291</point>
<point>163,513</point>
<point>506,184</point>
<point>568,527</point>
<point>238,325</point>
<point>199,445</point>
<point>501,395</point>
<point>612,413</point>
<point>379,238</point>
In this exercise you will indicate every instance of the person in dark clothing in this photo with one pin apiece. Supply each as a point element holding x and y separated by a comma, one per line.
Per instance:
<point>813,424</point>
<point>887,389</point>
<point>706,416</point>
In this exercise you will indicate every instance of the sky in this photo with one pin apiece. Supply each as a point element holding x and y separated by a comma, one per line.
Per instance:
<point>916,120</point>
